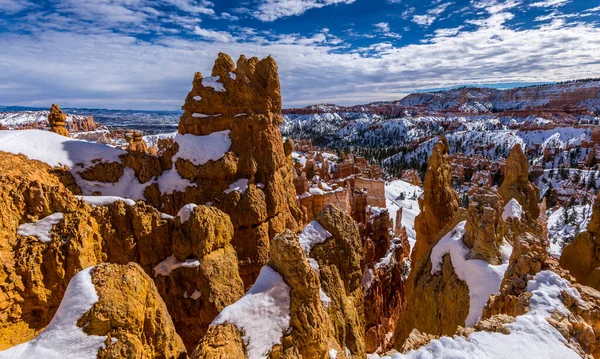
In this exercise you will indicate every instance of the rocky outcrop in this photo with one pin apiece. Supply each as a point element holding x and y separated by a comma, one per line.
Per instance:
<point>325,298</point>
<point>131,313</point>
<point>581,257</point>
<point>439,201</point>
<point>135,142</point>
<point>341,264</point>
<point>516,184</point>
<point>191,260</point>
<point>57,120</point>
<point>485,227</point>
<point>244,101</point>
<point>436,304</point>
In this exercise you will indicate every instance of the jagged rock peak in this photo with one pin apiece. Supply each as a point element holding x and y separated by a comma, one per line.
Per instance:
<point>516,184</point>
<point>485,227</point>
<point>57,120</point>
<point>248,89</point>
<point>439,201</point>
<point>136,142</point>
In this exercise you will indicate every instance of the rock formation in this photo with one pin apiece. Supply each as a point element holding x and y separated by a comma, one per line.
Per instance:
<point>132,314</point>
<point>581,257</point>
<point>325,298</point>
<point>57,120</point>
<point>436,304</point>
<point>485,227</point>
<point>135,141</point>
<point>516,184</point>
<point>439,201</point>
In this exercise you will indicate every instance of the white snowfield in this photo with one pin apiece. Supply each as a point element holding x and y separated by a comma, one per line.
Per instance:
<point>531,335</point>
<point>16,119</point>
<point>263,313</point>
<point>482,278</point>
<point>42,228</point>
<point>62,338</point>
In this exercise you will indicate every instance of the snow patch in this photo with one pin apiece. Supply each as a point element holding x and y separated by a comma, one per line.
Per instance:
<point>241,185</point>
<point>62,338</point>
<point>482,278</point>
<point>512,210</point>
<point>165,267</point>
<point>212,82</point>
<point>105,200</point>
<point>201,149</point>
<point>185,212</point>
<point>313,234</point>
<point>263,313</point>
<point>42,228</point>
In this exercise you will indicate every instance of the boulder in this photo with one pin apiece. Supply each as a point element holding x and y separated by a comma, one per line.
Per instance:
<point>57,121</point>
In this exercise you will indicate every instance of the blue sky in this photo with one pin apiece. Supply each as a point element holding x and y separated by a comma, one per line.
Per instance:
<point>141,54</point>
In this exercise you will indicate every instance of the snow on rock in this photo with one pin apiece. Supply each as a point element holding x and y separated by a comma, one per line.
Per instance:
<point>196,295</point>
<point>512,210</point>
<point>127,186</point>
<point>41,229</point>
<point>56,150</point>
<point>324,298</point>
<point>332,353</point>
<point>263,313</point>
<point>105,200</point>
<point>482,278</point>
<point>367,280</point>
<point>185,212</point>
<point>313,234</point>
<point>212,82</point>
<point>171,181</point>
<point>197,98</point>
<point>241,185</point>
<point>409,205</point>
<point>531,336</point>
<point>165,267</point>
<point>62,338</point>
<point>232,75</point>
<point>201,149</point>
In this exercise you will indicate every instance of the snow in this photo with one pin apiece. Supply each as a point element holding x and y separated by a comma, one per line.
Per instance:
<point>512,210</point>
<point>197,98</point>
<point>201,149</point>
<point>241,185</point>
<point>41,228</point>
<point>316,190</point>
<point>332,353</point>
<point>171,263</point>
<point>128,185</point>
<point>105,200</point>
<point>56,150</point>
<point>232,75</point>
<point>367,280</point>
<point>313,234</point>
<point>324,298</point>
<point>560,233</point>
<point>185,212</point>
<point>482,278</point>
<point>171,181</point>
<point>531,336</point>
<point>62,338</point>
<point>212,82</point>
<point>410,206</point>
<point>263,313</point>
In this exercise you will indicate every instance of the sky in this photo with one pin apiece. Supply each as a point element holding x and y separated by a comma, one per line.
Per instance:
<point>142,54</point>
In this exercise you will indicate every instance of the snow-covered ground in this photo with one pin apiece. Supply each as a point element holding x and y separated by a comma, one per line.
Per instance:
<point>531,336</point>
<point>561,232</point>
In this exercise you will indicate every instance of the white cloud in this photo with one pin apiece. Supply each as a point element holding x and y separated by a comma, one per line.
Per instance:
<point>423,20</point>
<point>193,6</point>
<point>384,29</point>
<point>13,6</point>
<point>550,3</point>
<point>432,14</point>
<point>156,75</point>
<point>271,10</point>
<point>496,6</point>
<point>221,36</point>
